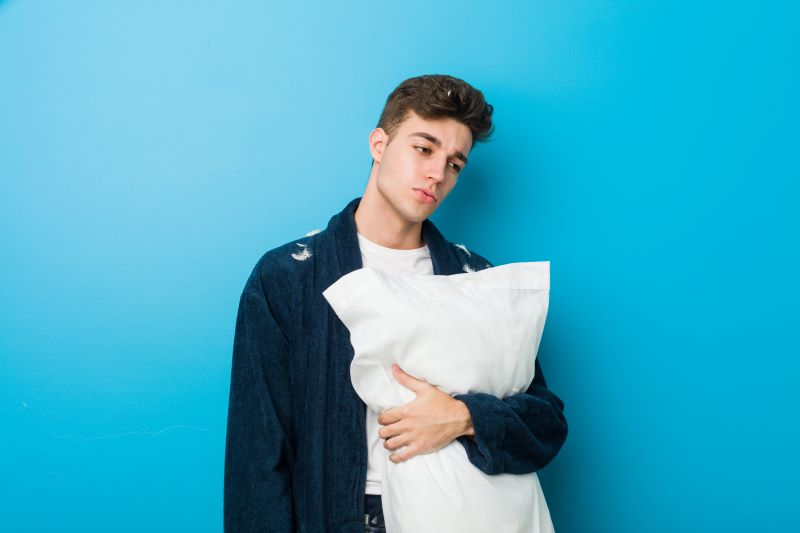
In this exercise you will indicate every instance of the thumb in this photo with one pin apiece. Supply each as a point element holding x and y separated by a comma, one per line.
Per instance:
<point>408,381</point>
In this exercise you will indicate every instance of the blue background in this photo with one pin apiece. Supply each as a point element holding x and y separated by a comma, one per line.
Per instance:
<point>150,152</point>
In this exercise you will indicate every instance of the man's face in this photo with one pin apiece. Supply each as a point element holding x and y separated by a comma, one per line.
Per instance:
<point>423,156</point>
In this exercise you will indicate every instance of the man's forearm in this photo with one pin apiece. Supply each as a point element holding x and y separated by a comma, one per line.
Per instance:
<point>518,434</point>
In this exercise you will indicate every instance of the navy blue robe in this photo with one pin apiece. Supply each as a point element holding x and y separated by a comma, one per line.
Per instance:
<point>296,446</point>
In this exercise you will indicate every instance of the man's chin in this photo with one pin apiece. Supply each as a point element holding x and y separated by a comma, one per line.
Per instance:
<point>420,213</point>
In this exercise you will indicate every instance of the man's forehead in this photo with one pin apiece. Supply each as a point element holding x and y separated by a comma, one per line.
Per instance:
<point>439,128</point>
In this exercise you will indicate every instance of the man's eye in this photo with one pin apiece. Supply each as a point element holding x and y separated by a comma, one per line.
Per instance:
<point>423,149</point>
<point>456,167</point>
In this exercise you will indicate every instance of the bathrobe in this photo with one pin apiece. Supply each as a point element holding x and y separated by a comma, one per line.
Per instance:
<point>296,448</point>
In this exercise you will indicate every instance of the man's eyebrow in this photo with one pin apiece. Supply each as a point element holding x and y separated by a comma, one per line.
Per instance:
<point>437,142</point>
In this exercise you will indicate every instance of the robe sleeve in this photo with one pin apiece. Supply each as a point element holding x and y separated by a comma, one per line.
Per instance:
<point>518,434</point>
<point>258,451</point>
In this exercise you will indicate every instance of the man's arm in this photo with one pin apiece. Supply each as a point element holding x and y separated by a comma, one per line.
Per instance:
<point>258,453</point>
<point>518,434</point>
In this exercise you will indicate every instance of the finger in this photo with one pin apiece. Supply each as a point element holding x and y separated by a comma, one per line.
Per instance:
<point>411,383</point>
<point>409,452</point>
<point>392,430</point>
<point>390,416</point>
<point>395,443</point>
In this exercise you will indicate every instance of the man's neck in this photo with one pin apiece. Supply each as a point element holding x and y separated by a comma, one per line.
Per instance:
<point>378,221</point>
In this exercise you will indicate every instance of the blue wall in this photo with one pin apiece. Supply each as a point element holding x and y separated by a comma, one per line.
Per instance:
<point>150,152</point>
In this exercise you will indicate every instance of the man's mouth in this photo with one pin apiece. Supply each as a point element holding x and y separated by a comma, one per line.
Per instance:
<point>425,196</point>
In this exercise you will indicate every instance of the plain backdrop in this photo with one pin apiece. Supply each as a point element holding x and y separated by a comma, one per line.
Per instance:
<point>152,151</point>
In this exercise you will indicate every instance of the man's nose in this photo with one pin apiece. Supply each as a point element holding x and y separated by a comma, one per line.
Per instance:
<point>436,172</point>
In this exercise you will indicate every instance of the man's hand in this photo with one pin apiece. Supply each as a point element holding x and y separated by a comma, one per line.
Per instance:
<point>428,423</point>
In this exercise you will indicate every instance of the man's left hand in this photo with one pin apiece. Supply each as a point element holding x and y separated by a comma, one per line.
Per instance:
<point>428,423</point>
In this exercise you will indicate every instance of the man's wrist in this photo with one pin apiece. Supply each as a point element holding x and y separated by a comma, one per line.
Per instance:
<point>465,420</point>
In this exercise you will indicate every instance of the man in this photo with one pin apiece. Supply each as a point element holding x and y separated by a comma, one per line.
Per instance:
<point>302,449</point>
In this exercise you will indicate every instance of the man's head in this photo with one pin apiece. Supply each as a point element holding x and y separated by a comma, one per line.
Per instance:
<point>421,143</point>
<point>438,96</point>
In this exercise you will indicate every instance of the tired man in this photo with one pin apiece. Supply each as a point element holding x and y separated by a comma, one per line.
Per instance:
<point>302,449</point>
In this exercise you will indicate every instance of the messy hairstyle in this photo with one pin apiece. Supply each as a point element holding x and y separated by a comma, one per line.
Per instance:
<point>434,96</point>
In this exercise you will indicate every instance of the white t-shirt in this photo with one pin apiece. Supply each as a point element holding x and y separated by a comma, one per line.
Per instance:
<point>391,261</point>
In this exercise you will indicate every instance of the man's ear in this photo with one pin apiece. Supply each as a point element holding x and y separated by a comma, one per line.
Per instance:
<point>378,140</point>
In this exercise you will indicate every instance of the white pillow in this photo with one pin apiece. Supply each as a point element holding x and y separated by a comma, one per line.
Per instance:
<point>469,332</point>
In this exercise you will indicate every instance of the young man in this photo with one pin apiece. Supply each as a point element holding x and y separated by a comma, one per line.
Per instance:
<point>302,449</point>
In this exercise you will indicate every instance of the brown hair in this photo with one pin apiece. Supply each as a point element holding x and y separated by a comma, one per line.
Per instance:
<point>437,96</point>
